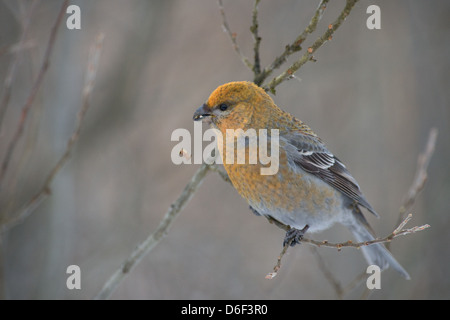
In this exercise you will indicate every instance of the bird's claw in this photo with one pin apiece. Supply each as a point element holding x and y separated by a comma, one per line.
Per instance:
<point>294,236</point>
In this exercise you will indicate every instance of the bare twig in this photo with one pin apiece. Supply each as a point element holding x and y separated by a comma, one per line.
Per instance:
<point>421,173</point>
<point>148,244</point>
<point>44,192</point>
<point>256,39</point>
<point>277,267</point>
<point>16,49</point>
<point>295,46</point>
<point>309,53</point>
<point>29,102</point>
<point>420,176</point>
<point>232,36</point>
<point>221,171</point>
<point>399,231</point>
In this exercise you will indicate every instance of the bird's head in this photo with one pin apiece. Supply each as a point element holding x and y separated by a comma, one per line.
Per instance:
<point>235,105</point>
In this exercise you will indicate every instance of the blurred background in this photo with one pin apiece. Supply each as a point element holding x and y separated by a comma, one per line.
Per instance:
<point>372,96</point>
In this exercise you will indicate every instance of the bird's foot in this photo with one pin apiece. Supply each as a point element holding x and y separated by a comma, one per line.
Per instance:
<point>294,236</point>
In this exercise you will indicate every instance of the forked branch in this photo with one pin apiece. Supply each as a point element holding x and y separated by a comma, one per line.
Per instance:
<point>44,191</point>
<point>31,97</point>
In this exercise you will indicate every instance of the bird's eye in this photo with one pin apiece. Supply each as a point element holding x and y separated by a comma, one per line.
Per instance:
<point>223,107</point>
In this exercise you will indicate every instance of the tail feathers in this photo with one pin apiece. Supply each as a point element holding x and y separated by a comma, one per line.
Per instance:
<point>375,254</point>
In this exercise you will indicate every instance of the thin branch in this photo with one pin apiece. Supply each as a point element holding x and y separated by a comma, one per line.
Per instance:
<point>29,102</point>
<point>420,177</point>
<point>16,49</point>
<point>256,39</point>
<point>328,274</point>
<point>232,36</point>
<point>277,267</point>
<point>399,231</point>
<point>153,239</point>
<point>296,44</point>
<point>221,171</point>
<point>44,192</point>
<point>421,173</point>
<point>312,49</point>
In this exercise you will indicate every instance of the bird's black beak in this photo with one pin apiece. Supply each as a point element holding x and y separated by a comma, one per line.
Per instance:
<point>202,113</point>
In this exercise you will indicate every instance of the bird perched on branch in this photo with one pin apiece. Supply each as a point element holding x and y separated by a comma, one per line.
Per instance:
<point>311,188</point>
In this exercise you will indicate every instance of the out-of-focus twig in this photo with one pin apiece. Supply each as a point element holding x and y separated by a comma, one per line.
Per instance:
<point>354,283</point>
<point>44,192</point>
<point>16,49</point>
<point>421,174</point>
<point>328,274</point>
<point>232,36</point>
<point>153,239</point>
<point>308,56</point>
<point>34,90</point>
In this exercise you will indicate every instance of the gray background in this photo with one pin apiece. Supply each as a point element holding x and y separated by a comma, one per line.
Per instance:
<point>372,96</point>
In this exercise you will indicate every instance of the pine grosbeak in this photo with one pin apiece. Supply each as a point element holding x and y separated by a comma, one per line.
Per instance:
<point>312,188</point>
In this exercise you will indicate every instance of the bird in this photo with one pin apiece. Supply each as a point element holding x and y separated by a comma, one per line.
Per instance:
<point>312,189</point>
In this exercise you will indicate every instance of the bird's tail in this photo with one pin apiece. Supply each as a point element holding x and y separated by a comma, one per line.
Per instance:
<point>375,254</point>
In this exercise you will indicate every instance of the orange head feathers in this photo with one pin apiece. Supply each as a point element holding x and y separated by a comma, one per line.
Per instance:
<point>244,105</point>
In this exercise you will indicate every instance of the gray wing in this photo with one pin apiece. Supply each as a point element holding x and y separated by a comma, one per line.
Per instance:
<point>312,156</point>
